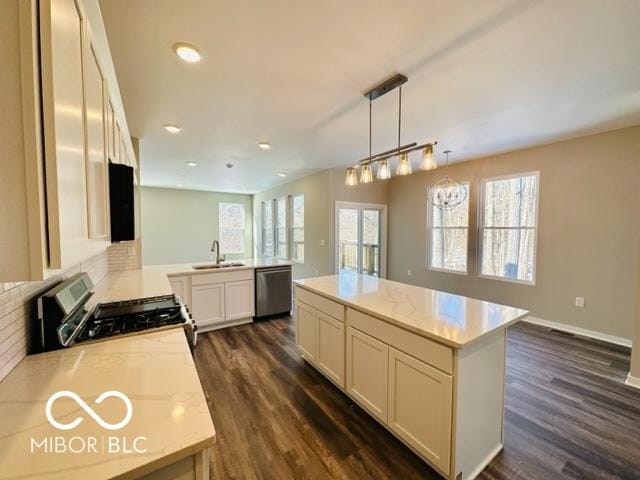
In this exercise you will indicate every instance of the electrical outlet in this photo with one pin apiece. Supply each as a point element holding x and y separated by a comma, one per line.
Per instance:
<point>317,272</point>
<point>580,302</point>
<point>409,273</point>
<point>322,243</point>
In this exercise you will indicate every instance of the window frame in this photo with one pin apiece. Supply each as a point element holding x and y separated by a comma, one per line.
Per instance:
<point>264,228</point>
<point>430,238</point>
<point>481,227</point>
<point>243,229</point>
<point>276,236</point>
<point>292,228</point>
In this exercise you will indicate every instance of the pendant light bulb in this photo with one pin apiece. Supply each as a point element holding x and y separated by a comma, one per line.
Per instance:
<point>351,179</point>
<point>404,165</point>
<point>384,172</point>
<point>366,176</point>
<point>428,161</point>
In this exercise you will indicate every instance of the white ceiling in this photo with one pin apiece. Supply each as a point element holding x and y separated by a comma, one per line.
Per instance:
<point>485,76</point>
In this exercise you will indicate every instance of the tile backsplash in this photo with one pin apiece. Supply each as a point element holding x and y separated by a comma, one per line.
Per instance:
<point>123,256</point>
<point>18,309</point>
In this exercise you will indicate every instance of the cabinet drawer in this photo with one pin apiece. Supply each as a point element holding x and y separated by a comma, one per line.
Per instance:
<point>221,277</point>
<point>422,348</point>
<point>326,306</point>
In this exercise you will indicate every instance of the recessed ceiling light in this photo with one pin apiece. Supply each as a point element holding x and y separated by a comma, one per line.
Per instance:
<point>172,128</point>
<point>282,174</point>
<point>179,185</point>
<point>187,52</point>
<point>191,164</point>
<point>264,145</point>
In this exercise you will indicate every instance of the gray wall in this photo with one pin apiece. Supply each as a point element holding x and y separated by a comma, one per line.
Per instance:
<point>588,236</point>
<point>179,225</point>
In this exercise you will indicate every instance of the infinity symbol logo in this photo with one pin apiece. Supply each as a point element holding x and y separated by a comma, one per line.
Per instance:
<point>89,410</point>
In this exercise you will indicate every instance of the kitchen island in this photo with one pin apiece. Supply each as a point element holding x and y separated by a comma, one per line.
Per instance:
<point>428,365</point>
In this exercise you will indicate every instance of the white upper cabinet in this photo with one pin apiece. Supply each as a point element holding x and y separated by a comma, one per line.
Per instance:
<point>96,149</point>
<point>60,107</point>
<point>62,42</point>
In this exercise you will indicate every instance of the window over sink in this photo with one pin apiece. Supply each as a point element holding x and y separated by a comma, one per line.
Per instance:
<point>231,227</point>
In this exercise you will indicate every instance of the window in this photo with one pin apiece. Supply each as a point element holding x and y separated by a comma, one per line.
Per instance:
<point>297,228</point>
<point>281,227</point>
<point>231,227</point>
<point>448,235</point>
<point>508,227</point>
<point>267,229</point>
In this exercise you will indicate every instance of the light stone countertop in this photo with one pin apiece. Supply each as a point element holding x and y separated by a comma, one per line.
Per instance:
<point>187,268</point>
<point>154,370</point>
<point>130,284</point>
<point>450,319</point>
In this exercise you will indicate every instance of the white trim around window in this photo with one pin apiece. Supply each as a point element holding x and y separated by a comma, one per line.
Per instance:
<point>227,228</point>
<point>482,228</point>
<point>430,232</point>
<point>293,227</point>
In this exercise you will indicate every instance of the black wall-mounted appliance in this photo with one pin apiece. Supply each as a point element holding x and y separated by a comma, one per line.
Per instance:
<point>121,202</point>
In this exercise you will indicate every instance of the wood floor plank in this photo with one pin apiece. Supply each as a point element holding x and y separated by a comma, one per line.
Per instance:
<point>568,413</point>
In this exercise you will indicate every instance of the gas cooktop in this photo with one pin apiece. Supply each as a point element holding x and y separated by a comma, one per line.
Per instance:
<point>117,318</point>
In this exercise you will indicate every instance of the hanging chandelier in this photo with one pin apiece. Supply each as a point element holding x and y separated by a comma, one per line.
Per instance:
<point>401,152</point>
<point>447,193</point>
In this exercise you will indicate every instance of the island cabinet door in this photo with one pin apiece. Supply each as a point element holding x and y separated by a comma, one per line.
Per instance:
<point>331,347</point>
<point>207,303</point>
<point>367,371</point>
<point>307,331</point>
<point>238,300</point>
<point>420,402</point>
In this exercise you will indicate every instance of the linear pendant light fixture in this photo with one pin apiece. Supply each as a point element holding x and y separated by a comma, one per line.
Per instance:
<point>401,151</point>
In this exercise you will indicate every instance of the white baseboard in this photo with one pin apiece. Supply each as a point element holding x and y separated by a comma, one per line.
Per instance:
<point>625,342</point>
<point>632,381</point>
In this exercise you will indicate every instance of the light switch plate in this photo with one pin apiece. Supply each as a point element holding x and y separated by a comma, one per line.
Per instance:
<point>580,302</point>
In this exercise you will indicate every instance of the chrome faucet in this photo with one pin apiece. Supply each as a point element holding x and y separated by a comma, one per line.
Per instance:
<point>215,247</point>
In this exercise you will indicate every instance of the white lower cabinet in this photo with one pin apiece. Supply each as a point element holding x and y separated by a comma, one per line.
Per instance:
<point>307,331</point>
<point>420,401</point>
<point>239,300</point>
<point>220,299</point>
<point>207,304</point>
<point>182,288</point>
<point>331,348</point>
<point>367,372</point>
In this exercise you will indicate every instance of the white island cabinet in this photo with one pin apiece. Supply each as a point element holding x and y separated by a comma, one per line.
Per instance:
<point>428,365</point>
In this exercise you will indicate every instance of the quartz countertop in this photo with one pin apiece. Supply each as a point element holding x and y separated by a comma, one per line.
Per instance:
<point>154,370</point>
<point>453,320</point>
<point>187,268</point>
<point>130,284</point>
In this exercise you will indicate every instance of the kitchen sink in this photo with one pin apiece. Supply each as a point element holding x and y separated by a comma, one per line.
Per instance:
<point>217,266</point>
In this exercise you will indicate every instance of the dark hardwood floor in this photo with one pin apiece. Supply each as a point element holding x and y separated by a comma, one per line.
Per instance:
<point>568,415</point>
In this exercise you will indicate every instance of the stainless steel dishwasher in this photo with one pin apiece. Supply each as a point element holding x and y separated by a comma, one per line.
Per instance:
<point>273,290</point>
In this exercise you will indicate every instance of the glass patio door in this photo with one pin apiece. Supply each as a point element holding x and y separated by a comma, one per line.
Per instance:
<point>360,233</point>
